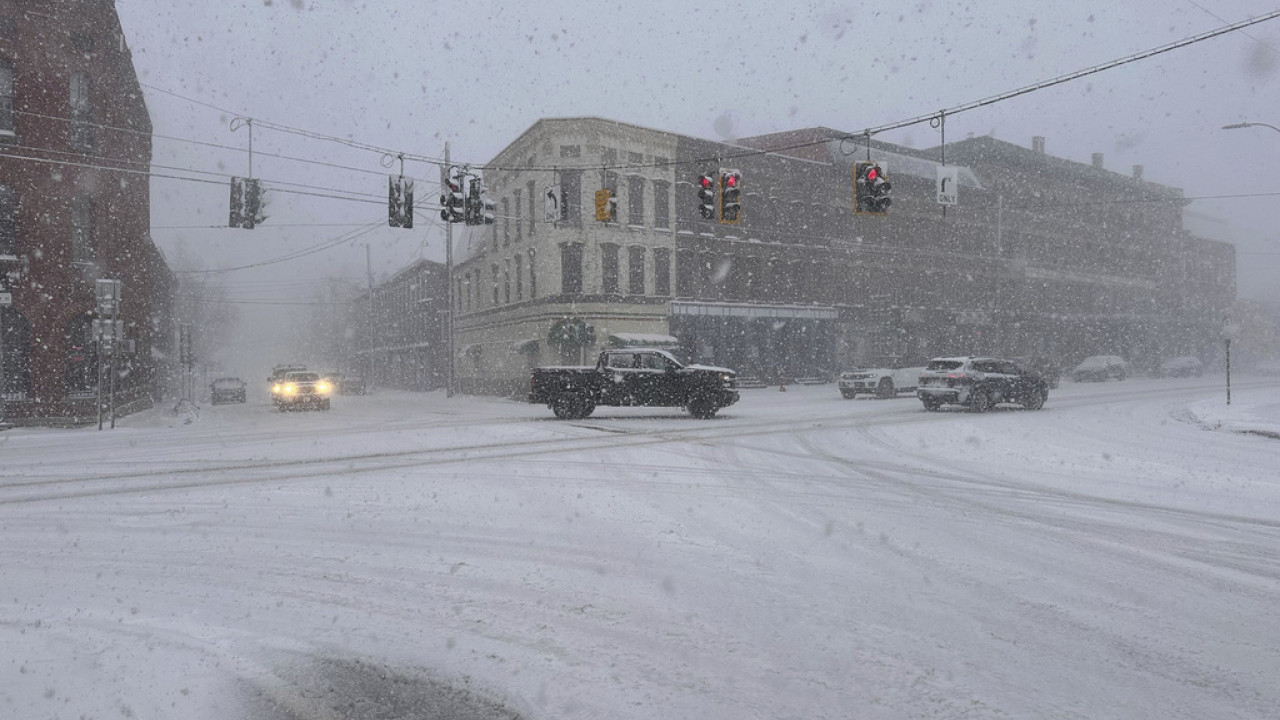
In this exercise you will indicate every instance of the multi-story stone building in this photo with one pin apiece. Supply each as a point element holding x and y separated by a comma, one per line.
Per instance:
<point>75,151</point>
<point>399,337</point>
<point>1041,255</point>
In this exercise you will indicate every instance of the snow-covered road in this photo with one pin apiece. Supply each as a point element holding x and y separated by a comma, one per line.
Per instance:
<point>1114,555</point>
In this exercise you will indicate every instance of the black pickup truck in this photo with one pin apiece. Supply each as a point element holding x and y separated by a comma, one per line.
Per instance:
<point>633,377</point>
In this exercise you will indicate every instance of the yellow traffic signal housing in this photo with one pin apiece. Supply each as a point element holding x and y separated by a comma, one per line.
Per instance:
<point>604,205</point>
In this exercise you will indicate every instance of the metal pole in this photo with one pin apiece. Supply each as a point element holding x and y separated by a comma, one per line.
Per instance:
<point>368,264</point>
<point>115,342</point>
<point>98,358</point>
<point>1228,371</point>
<point>448,276</point>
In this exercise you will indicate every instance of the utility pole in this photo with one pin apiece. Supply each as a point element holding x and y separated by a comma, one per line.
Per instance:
<point>448,279</point>
<point>368,264</point>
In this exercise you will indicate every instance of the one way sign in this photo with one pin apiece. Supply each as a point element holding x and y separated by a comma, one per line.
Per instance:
<point>948,184</point>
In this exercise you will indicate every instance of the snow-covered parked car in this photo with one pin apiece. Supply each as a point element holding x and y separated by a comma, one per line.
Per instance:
<point>227,390</point>
<point>1183,366</point>
<point>1099,368</point>
<point>883,377</point>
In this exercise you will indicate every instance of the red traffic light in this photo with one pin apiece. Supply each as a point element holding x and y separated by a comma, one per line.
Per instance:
<point>731,180</point>
<point>871,173</point>
<point>706,181</point>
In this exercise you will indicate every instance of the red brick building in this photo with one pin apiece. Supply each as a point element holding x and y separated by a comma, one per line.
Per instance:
<point>75,153</point>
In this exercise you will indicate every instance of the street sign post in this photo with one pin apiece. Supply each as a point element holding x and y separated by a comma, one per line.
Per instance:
<point>948,184</point>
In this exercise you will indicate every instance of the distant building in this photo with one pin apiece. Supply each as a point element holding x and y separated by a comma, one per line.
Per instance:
<point>75,152</point>
<point>1041,256</point>
<point>399,337</point>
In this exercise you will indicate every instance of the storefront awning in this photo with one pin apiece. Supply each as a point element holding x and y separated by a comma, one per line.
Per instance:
<point>525,347</point>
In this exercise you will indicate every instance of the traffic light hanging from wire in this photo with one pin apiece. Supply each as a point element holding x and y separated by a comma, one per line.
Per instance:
<point>707,196</point>
<point>871,188</point>
<point>730,196</point>
<point>478,208</point>
<point>247,203</point>
<point>452,199</point>
<point>400,202</point>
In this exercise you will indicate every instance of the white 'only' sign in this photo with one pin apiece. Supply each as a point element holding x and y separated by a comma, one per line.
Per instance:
<point>948,184</point>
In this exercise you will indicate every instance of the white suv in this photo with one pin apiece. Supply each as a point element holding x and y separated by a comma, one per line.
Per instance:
<point>883,377</point>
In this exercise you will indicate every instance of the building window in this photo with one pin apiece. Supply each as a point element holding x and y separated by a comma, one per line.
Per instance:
<point>506,283</point>
<point>15,355</point>
<point>494,272</point>
<point>609,269</point>
<point>82,135</point>
<point>457,295</point>
<point>635,200</point>
<point>635,270</point>
<point>8,221</point>
<point>661,204</point>
<point>571,197</point>
<point>662,271</point>
<point>82,43</point>
<point>506,222</point>
<point>82,240</point>
<point>519,277</point>
<point>532,196</point>
<point>515,201</point>
<point>467,291</point>
<point>571,269</point>
<point>533,276</point>
<point>686,273</point>
<point>82,357</point>
<point>6,98</point>
<point>570,151</point>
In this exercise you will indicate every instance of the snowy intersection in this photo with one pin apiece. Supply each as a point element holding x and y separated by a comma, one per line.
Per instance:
<point>1114,555</point>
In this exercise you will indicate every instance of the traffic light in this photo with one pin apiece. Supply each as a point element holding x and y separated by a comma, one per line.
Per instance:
<point>606,206</point>
<point>400,202</point>
<point>707,196</point>
<point>871,188</point>
<point>730,194</point>
<point>253,202</point>
<point>479,208</point>
<point>236,218</point>
<point>452,200</point>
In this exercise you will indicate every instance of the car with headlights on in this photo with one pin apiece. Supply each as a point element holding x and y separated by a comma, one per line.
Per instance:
<point>980,383</point>
<point>304,391</point>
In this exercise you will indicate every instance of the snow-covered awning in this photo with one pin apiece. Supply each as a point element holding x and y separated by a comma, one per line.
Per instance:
<point>642,340</point>
<point>525,347</point>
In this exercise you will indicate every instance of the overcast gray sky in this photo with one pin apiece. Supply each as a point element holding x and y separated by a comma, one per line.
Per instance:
<point>410,75</point>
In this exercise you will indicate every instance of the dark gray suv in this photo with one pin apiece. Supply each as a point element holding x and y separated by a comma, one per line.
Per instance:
<point>980,383</point>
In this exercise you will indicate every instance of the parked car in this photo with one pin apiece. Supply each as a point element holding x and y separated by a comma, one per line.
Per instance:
<point>1099,368</point>
<point>980,383</point>
<point>347,384</point>
<point>1048,368</point>
<point>304,390</point>
<point>883,377</point>
<point>227,390</point>
<point>1183,366</point>
<point>633,377</point>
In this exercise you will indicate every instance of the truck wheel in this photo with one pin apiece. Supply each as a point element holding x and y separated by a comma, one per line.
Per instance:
<point>848,394</point>
<point>572,407</point>
<point>1034,400</point>
<point>885,389</point>
<point>930,404</point>
<point>703,408</point>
